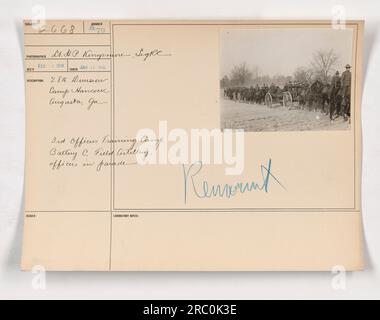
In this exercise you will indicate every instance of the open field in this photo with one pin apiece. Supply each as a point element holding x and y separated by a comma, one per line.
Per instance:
<point>254,117</point>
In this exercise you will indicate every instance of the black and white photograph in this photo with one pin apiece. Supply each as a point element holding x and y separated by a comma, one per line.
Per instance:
<point>286,79</point>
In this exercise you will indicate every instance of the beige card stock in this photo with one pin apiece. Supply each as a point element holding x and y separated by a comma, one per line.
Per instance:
<point>192,145</point>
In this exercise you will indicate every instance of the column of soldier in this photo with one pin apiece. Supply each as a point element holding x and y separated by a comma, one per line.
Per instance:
<point>331,99</point>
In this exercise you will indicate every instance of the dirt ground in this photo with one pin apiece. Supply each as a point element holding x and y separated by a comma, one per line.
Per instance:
<point>253,117</point>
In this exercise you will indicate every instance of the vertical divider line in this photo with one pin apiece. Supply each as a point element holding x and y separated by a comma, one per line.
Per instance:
<point>112,139</point>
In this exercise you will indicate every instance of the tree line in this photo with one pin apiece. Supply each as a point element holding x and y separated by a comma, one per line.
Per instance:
<point>322,66</point>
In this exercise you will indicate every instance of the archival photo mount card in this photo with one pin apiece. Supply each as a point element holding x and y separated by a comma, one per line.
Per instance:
<point>193,145</point>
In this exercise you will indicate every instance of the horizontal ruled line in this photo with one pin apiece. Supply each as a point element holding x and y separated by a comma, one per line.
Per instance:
<point>206,210</point>
<point>66,45</point>
<point>34,59</point>
<point>64,71</point>
<point>64,34</point>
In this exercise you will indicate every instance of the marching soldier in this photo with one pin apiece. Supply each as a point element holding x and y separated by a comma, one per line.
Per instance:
<point>335,97</point>
<point>335,79</point>
<point>346,77</point>
<point>346,88</point>
<point>325,96</point>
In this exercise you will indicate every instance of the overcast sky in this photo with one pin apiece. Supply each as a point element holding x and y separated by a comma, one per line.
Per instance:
<point>281,51</point>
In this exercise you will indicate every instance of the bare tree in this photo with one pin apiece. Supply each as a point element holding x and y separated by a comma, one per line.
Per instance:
<point>240,75</point>
<point>303,75</point>
<point>224,82</point>
<point>280,80</point>
<point>323,63</point>
<point>255,72</point>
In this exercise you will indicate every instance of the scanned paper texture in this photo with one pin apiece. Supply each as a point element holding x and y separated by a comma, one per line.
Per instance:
<point>193,145</point>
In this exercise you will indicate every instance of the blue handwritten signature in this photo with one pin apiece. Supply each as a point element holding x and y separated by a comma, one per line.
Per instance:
<point>226,190</point>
